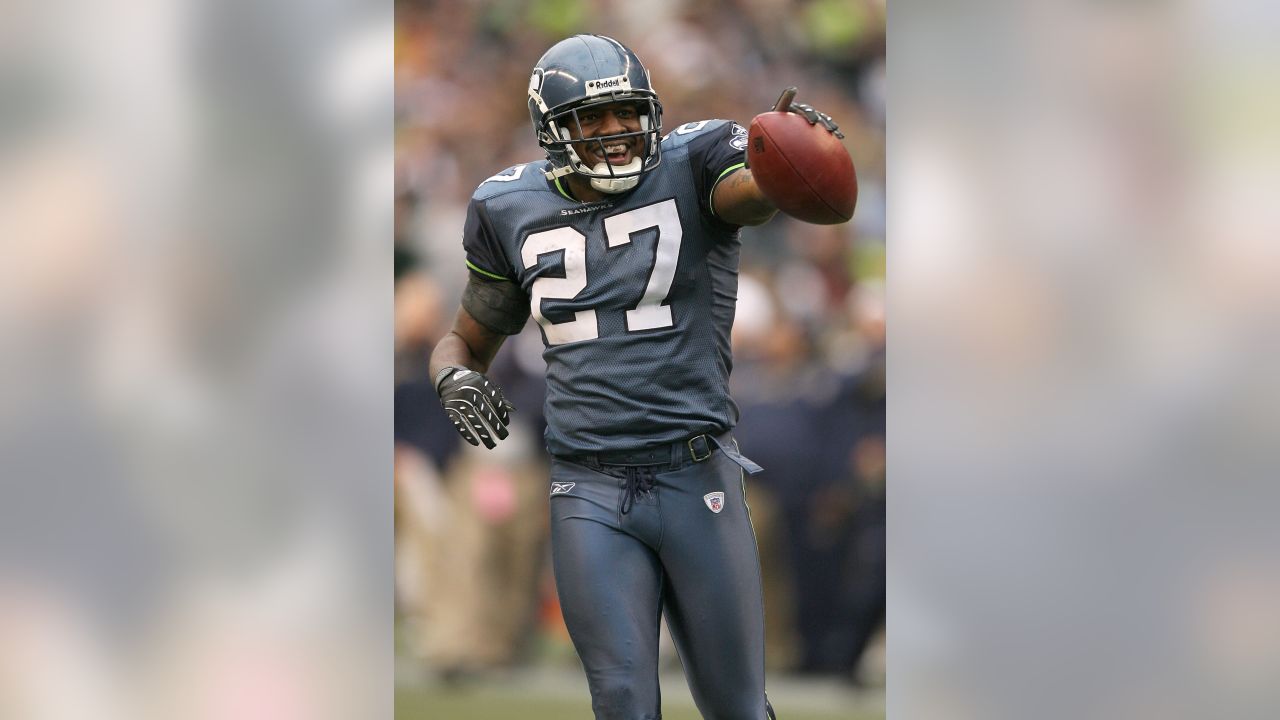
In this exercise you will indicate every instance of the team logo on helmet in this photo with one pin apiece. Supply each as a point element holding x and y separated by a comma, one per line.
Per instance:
<point>715,501</point>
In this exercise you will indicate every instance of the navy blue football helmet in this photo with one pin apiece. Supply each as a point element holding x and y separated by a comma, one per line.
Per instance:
<point>581,72</point>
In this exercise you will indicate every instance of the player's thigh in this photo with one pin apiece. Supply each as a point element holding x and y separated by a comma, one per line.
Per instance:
<point>608,582</point>
<point>713,592</point>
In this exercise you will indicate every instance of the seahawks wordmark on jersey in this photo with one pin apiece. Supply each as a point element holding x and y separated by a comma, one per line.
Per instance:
<point>634,294</point>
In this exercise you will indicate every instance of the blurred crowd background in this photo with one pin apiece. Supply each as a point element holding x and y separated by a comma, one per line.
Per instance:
<point>474,587</point>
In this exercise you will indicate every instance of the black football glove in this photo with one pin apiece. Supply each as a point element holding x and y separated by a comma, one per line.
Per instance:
<point>474,405</point>
<point>785,104</point>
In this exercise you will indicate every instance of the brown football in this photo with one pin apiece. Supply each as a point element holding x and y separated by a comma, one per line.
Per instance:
<point>804,169</point>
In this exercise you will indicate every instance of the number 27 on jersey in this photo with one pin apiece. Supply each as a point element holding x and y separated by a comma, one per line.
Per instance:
<point>648,314</point>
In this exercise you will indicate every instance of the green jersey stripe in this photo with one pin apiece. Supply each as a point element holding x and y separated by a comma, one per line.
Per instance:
<point>484,272</point>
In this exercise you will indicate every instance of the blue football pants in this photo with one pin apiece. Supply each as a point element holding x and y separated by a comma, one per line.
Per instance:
<point>621,563</point>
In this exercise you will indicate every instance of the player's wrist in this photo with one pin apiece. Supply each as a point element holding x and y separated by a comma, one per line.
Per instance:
<point>444,374</point>
<point>757,193</point>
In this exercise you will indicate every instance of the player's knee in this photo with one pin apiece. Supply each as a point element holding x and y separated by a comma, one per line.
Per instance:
<point>618,699</point>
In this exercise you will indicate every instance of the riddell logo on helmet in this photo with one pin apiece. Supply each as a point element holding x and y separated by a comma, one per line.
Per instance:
<point>610,84</point>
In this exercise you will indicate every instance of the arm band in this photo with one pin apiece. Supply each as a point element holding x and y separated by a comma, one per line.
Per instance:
<point>500,305</point>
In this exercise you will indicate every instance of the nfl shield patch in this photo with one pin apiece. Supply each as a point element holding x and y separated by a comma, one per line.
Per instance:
<point>715,501</point>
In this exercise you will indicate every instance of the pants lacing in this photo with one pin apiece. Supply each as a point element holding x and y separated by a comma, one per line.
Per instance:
<point>639,480</point>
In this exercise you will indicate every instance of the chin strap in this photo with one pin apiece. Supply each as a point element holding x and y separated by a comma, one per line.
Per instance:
<point>604,185</point>
<point>559,172</point>
<point>609,185</point>
<point>613,185</point>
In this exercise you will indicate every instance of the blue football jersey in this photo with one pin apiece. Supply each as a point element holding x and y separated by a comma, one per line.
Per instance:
<point>635,293</point>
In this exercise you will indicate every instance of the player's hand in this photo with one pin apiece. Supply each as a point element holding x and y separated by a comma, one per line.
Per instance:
<point>786,103</point>
<point>475,405</point>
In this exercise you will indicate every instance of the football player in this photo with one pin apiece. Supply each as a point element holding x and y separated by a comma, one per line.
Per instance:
<point>623,245</point>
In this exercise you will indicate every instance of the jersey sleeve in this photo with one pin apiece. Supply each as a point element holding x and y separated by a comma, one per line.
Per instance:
<point>714,155</point>
<point>484,253</point>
